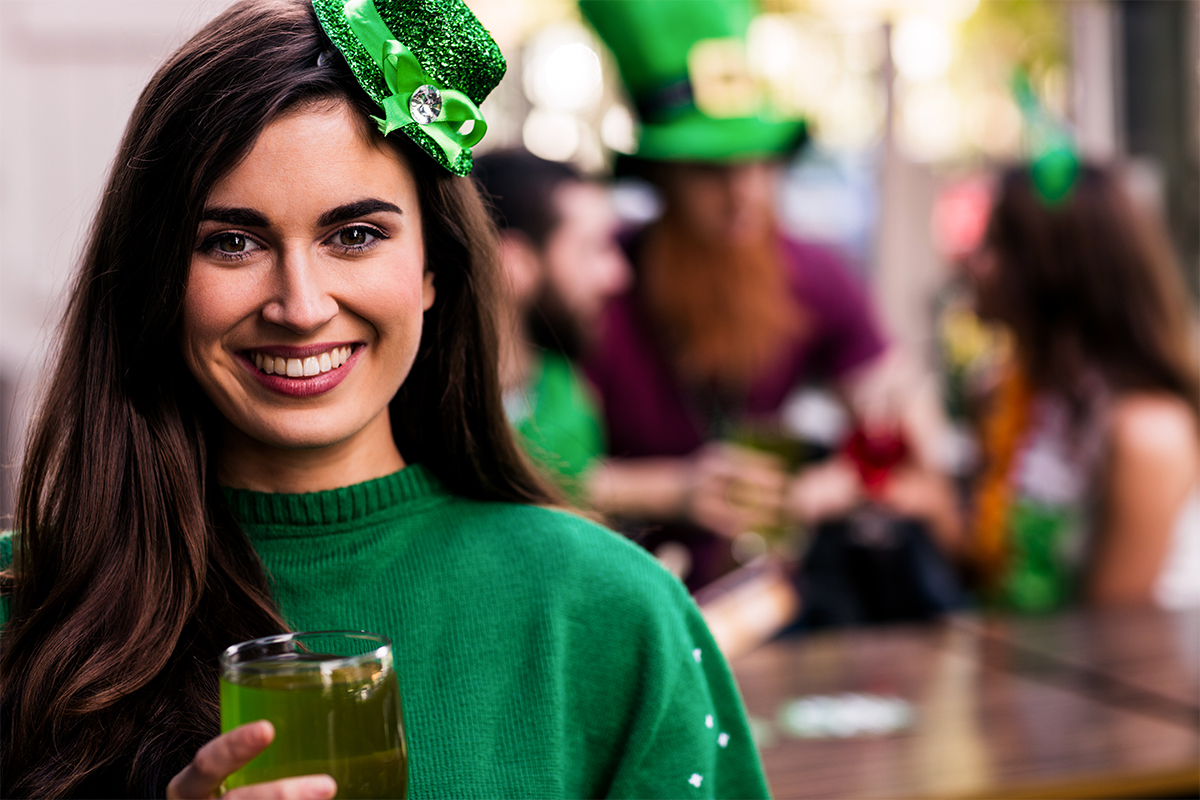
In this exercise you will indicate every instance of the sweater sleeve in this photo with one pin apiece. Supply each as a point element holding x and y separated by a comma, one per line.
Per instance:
<point>691,738</point>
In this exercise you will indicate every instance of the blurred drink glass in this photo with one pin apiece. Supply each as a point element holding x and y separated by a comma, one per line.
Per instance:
<point>774,439</point>
<point>791,452</point>
<point>334,699</point>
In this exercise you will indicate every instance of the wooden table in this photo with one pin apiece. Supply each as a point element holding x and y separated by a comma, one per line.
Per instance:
<point>1082,705</point>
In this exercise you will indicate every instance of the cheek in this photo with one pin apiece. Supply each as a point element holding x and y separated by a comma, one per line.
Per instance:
<point>206,310</point>
<point>214,304</point>
<point>982,270</point>
<point>394,307</point>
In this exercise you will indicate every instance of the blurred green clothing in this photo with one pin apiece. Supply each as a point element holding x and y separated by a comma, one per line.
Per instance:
<point>558,422</point>
<point>1042,575</point>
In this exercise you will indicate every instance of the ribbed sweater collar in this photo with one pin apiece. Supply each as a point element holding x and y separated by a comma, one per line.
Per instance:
<point>335,506</point>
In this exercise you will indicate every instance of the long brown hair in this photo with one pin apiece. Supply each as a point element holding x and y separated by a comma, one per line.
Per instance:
<point>1089,284</point>
<point>130,574</point>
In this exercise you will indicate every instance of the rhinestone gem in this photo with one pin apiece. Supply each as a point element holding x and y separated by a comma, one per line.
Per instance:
<point>425,104</point>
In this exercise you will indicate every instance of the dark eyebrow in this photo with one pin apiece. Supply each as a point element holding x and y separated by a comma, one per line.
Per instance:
<point>245,217</point>
<point>360,208</point>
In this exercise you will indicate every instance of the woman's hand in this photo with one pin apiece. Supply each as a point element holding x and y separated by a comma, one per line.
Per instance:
<point>229,752</point>
<point>829,489</point>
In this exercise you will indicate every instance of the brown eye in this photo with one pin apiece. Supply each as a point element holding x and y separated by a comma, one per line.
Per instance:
<point>232,243</point>
<point>353,237</point>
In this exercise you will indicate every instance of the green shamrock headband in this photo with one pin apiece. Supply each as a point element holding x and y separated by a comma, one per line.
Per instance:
<point>1053,156</point>
<point>427,63</point>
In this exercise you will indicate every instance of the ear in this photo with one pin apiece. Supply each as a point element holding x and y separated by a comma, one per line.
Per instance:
<point>521,264</point>
<point>428,292</point>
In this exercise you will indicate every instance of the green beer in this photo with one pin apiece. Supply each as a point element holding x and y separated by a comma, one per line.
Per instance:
<point>333,713</point>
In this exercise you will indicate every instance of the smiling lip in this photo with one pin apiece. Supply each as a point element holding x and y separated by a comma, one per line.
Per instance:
<point>307,371</point>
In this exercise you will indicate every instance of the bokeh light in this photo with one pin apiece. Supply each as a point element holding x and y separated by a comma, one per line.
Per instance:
<point>852,119</point>
<point>562,72</point>
<point>922,48</point>
<point>553,135</point>
<point>618,129</point>
<point>930,121</point>
<point>992,122</point>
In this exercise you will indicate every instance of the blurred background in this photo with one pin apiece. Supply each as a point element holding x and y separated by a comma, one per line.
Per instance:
<point>909,104</point>
<point>912,107</point>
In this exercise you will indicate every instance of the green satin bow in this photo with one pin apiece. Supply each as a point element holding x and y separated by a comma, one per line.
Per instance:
<point>403,74</point>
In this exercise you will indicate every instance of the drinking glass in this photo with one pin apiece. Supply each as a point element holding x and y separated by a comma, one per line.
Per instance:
<point>334,700</point>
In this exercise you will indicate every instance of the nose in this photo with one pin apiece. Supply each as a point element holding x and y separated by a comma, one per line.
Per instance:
<point>301,300</point>
<point>748,182</point>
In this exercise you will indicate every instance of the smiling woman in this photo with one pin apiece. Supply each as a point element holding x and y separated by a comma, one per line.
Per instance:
<point>302,262</point>
<point>276,407</point>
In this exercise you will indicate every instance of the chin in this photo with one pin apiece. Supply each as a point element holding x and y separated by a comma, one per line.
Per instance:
<point>297,434</point>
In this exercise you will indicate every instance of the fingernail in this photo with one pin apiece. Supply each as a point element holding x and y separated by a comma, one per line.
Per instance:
<point>320,787</point>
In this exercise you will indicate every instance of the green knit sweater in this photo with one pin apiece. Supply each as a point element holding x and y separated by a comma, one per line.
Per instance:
<point>539,655</point>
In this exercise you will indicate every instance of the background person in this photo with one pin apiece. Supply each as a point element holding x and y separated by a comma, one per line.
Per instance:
<point>277,405</point>
<point>1091,446</point>
<point>727,316</point>
<point>561,264</point>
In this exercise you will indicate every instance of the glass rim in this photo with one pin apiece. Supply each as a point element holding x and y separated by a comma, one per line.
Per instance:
<point>381,652</point>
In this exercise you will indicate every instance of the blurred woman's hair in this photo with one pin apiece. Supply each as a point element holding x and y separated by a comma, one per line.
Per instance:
<point>130,574</point>
<point>1089,284</point>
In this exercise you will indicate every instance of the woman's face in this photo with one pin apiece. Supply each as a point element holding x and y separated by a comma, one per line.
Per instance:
<point>307,285</point>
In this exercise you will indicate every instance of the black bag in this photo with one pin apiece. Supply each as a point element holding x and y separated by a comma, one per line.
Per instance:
<point>873,567</point>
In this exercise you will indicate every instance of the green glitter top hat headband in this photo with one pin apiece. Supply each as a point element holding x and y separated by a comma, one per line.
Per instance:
<point>427,63</point>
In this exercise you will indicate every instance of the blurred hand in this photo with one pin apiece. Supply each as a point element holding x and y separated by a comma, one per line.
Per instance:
<point>229,752</point>
<point>879,391</point>
<point>829,489</point>
<point>930,497</point>
<point>892,394</point>
<point>732,490</point>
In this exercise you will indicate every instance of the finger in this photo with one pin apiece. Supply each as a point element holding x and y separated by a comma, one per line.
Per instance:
<point>767,462</point>
<point>745,458</point>
<point>767,482</point>
<point>715,515</point>
<point>754,494</point>
<point>307,787</point>
<point>221,757</point>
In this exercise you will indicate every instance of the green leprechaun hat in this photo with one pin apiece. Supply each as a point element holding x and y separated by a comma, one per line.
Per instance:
<point>685,67</point>
<point>427,63</point>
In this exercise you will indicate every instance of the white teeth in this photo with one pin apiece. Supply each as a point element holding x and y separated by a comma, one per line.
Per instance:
<point>306,367</point>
